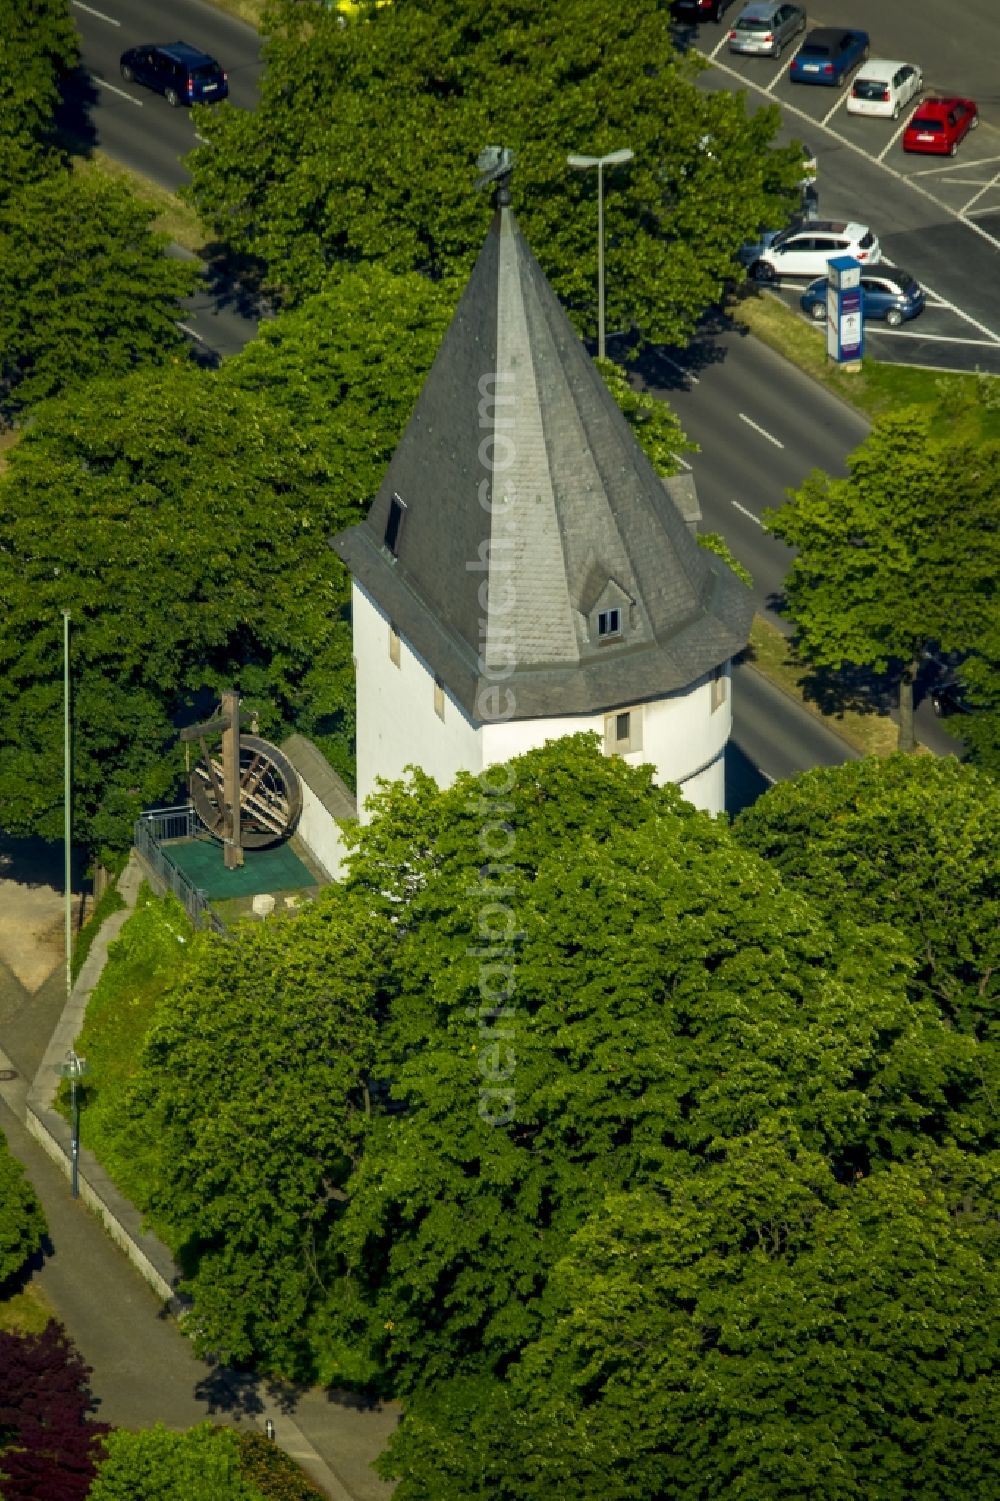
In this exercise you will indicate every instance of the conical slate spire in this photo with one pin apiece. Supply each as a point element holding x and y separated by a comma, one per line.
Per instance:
<point>521,537</point>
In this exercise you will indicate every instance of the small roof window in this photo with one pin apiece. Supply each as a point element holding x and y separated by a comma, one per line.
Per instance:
<point>394,524</point>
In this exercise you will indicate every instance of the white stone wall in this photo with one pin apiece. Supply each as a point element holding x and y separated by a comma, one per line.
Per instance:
<point>321,834</point>
<point>682,738</point>
<point>397,722</point>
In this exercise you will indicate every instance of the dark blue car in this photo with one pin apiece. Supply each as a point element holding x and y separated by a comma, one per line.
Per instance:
<point>182,74</point>
<point>889,293</point>
<point>827,55</point>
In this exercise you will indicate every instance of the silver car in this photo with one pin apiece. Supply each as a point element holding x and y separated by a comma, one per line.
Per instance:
<point>766,27</point>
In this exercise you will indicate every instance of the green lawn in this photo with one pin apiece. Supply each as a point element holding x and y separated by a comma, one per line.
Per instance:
<point>962,404</point>
<point>144,962</point>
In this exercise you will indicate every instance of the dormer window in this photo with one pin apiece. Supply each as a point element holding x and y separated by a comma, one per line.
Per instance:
<point>393,526</point>
<point>607,609</point>
<point>609,623</point>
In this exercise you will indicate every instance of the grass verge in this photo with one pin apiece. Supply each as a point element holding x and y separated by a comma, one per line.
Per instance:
<point>144,964</point>
<point>251,11</point>
<point>962,405</point>
<point>26,1312</point>
<point>174,217</point>
<point>771,653</point>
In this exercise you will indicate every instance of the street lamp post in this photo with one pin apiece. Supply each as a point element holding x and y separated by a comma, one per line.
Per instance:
<point>73,1068</point>
<point>583,164</point>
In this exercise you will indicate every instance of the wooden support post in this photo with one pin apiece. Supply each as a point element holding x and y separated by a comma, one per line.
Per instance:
<point>231,779</point>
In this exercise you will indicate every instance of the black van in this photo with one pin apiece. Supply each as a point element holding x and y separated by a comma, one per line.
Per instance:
<point>182,74</point>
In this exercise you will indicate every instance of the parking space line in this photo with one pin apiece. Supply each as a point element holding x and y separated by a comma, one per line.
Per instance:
<point>892,141</point>
<point>905,333</point>
<point>720,43</point>
<point>758,429</point>
<point>103,84</point>
<point>836,135</point>
<point>984,161</point>
<point>831,112</point>
<point>683,462</point>
<point>966,317</point>
<point>991,184</point>
<point>744,512</point>
<point>782,70</point>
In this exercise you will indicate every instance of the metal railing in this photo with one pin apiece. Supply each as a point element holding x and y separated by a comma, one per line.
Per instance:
<point>152,831</point>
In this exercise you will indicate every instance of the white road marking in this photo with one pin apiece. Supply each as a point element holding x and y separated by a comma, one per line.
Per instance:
<point>850,145</point>
<point>831,112</point>
<point>985,161</point>
<point>683,462</point>
<point>679,368</point>
<point>937,338</point>
<point>203,139</point>
<point>940,301</point>
<point>103,84</point>
<point>995,209</point>
<point>991,184</point>
<point>780,74</point>
<point>192,333</point>
<point>744,512</point>
<point>892,141</point>
<point>758,429</point>
<point>98,13</point>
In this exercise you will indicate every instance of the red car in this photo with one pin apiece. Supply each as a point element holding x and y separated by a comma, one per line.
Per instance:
<point>938,125</point>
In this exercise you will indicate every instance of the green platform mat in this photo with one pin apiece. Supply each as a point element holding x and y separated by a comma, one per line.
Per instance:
<point>275,869</point>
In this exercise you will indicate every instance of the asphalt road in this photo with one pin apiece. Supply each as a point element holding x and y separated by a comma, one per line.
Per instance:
<point>131,123</point>
<point>761,425</point>
<point>937,217</point>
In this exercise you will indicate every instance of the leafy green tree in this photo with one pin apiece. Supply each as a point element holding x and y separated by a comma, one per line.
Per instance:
<point>363,149</point>
<point>345,368</point>
<point>202,1464</point>
<point>902,555</point>
<point>182,518</point>
<point>909,841</point>
<point>184,528</point>
<point>589,980</point>
<point>248,1108</point>
<point>38,47</point>
<point>653,422</point>
<point>22,1222</point>
<point>756,1328</point>
<point>85,288</point>
<point>980,677</point>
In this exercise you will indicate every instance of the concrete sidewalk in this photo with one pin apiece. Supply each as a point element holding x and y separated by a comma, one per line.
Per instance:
<point>144,1369</point>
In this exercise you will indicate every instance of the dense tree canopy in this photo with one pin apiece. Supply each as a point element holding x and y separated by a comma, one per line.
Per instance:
<point>364,145</point>
<point>902,555</point>
<point>756,1328</point>
<point>248,1108</point>
<point>85,287</point>
<point>48,1442</point>
<point>202,1464</point>
<point>38,47</point>
<point>668,991</point>
<point>908,841</point>
<point>182,517</point>
<point>22,1222</point>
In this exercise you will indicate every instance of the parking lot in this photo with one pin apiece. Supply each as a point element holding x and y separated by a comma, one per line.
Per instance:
<point>939,217</point>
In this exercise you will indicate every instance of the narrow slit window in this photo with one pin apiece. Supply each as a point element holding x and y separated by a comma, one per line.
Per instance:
<point>393,646</point>
<point>609,623</point>
<point>623,728</point>
<point>718,688</point>
<point>439,698</point>
<point>393,525</point>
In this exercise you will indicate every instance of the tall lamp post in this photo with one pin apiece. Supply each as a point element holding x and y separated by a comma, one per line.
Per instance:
<point>583,164</point>
<point>73,1068</point>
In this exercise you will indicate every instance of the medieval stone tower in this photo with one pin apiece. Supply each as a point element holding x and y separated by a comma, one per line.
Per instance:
<point>522,574</point>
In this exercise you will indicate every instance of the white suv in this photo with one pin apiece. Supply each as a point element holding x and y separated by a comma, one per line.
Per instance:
<point>805,250</point>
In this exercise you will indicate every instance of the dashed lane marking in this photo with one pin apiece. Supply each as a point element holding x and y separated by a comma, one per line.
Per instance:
<point>762,430</point>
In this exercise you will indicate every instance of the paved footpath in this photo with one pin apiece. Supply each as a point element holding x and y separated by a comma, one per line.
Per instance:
<point>144,1369</point>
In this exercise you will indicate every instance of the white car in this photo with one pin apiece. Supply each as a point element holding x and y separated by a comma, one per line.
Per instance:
<point>805,249</point>
<point>884,88</point>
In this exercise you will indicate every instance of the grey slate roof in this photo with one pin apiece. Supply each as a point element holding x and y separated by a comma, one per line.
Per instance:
<point>515,412</point>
